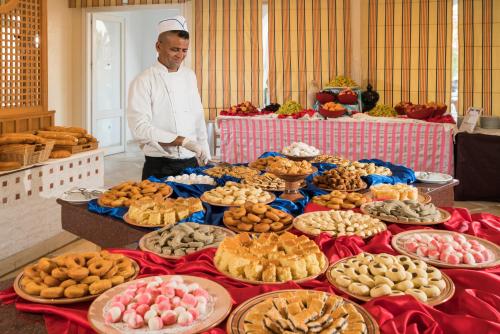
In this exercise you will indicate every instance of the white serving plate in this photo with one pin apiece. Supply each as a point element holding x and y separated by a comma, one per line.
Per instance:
<point>432,177</point>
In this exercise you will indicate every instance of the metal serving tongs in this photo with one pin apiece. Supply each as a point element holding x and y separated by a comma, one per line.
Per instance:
<point>85,192</point>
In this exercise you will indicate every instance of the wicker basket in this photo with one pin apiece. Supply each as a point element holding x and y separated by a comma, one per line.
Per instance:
<point>47,149</point>
<point>20,153</point>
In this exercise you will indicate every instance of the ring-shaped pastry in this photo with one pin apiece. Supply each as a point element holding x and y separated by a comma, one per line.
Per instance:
<point>115,280</point>
<point>100,268</point>
<point>52,292</point>
<point>380,290</point>
<point>68,282</point>
<point>74,260</point>
<point>46,265</point>
<point>122,263</point>
<point>74,291</point>
<point>34,288</point>
<point>100,286</point>
<point>51,281</point>
<point>364,269</point>
<point>90,279</point>
<point>386,259</point>
<point>420,264</point>
<point>78,273</point>
<point>31,271</point>
<point>433,273</point>
<point>60,273</point>
<point>111,272</point>
<point>366,280</point>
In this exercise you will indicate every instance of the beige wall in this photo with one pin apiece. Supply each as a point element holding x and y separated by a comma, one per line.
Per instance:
<point>65,56</point>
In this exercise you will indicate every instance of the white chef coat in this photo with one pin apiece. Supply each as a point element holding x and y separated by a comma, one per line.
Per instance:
<point>163,105</point>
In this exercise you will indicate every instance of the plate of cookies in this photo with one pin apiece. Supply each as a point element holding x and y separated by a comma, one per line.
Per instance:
<point>236,194</point>
<point>126,192</point>
<point>279,310</point>
<point>338,223</point>
<point>159,212</point>
<point>331,159</point>
<point>447,249</point>
<point>74,278</point>
<point>337,200</point>
<point>270,258</point>
<point>230,170</point>
<point>268,182</point>
<point>289,167</point>
<point>174,242</point>
<point>262,163</point>
<point>406,212</point>
<point>398,191</point>
<point>339,179</point>
<point>257,218</point>
<point>367,276</point>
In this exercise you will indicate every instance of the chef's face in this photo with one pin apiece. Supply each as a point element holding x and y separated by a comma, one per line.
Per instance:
<point>172,50</point>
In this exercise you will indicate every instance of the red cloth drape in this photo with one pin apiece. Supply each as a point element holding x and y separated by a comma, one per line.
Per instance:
<point>473,308</point>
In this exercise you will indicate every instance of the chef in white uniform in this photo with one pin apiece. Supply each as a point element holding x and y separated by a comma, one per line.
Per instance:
<point>164,113</point>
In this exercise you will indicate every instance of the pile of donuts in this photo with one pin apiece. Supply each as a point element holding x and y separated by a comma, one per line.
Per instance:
<point>257,218</point>
<point>76,275</point>
<point>155,303</point>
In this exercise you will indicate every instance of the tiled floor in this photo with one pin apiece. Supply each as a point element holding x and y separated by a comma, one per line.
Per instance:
<point>128,166</point>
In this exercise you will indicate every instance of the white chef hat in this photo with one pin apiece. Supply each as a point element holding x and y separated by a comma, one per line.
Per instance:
<point>173,23</point>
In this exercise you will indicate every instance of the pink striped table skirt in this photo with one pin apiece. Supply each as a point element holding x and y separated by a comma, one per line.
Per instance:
<point>422,146</point>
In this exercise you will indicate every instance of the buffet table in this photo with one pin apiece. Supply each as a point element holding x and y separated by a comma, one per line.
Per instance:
<point>474,305</point>
<point>32,192</point>
<point>422,146</point>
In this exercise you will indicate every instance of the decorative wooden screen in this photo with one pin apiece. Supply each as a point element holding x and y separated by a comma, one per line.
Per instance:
<point>107,3</point>
<point>23,65</point>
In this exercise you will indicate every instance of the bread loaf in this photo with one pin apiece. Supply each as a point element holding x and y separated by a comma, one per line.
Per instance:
<point>58,154</point>
<point>66,129</point>
<point>9,165</point>
<point>58,136</point>
<point>82,141</point>
<point>21,138</point>
<point>11,147</point>
<point>54,134</point>
<point>66,142</point>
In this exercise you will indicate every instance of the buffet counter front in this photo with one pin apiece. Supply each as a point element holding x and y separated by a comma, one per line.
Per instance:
<point>422,146</point>
<point>28,196</point>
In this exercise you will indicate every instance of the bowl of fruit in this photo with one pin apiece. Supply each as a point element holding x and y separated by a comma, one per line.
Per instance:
<point>347,96</point>
<point>419,111</point>
<point>325,97</point>
<point>289,108</point>
<point>332,110</point>
<point>401,107</point>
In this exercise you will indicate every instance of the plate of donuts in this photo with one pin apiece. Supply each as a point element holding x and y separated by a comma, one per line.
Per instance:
<point>73,278</point>
<point>367,276</point>
<point>131,307</point>
<point>257,218</point>
<point>447,249</point>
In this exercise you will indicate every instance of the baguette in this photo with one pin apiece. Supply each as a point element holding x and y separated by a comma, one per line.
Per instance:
<point>47,134</point>
<point>11,147</point>
<point>9,165</point>
<point>60,136</point>
<point>82,141</point>
<point>58,154</point>
<point>66,129</point>
<point>65,142</point>
<point>21,138</point>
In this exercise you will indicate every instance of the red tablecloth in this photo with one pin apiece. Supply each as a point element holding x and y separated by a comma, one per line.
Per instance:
<point>473,308</point>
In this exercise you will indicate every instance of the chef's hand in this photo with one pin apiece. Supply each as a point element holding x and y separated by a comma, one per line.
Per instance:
<point>202,158</point>
<point>193,146</point>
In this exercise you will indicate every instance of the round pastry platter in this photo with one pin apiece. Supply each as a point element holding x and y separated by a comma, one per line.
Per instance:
<point>204,199</point>
<point>445,216</point>
<point>61,301</point>
<point>422,198</point>
<point>325,267</point>
<point>346,191</point>
<point>142,243</point>
<point>99,200</point>
<point>445,295</point>
<point>303,185</point>
<point>308,232</point>
<point>222,307</point>
<point>134,222</point>
<point>236,230</point>
<point>235,321</point>
<point>432,177</point>
<point>397,244</point>
<point>297,158</point>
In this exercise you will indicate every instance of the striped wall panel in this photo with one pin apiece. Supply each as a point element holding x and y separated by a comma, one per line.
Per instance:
<point>479,55</point>
<point>228,52</point>
<point>106,3</point>
<point>308,40</point>
<point>409,49</point>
